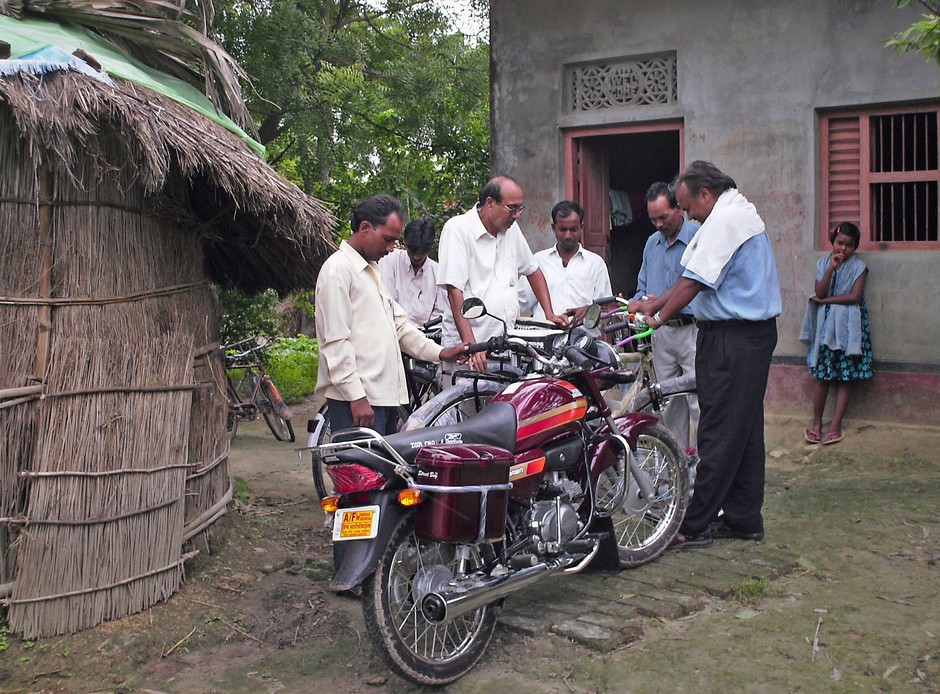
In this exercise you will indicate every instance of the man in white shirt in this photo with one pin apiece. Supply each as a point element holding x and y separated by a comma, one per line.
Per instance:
<point>575,275</point>
<point>361,330</point>
<point>411,277</point>
<point>483,254</point>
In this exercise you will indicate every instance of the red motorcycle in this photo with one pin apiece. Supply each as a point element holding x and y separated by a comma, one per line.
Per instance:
<point>437,525</point>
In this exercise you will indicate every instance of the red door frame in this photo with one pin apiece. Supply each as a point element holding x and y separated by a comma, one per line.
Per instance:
<point>597,231</point>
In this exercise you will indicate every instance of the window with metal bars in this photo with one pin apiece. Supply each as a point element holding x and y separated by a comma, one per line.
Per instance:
<point>881,170</point>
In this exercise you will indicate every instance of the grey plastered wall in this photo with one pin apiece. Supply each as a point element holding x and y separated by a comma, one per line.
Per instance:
<point>752,79</point>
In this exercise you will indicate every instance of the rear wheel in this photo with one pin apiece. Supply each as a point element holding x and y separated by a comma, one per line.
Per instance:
<point>321,480</point>
<point>272,407</point>
<point>419,650</point>
<point>645,526</point>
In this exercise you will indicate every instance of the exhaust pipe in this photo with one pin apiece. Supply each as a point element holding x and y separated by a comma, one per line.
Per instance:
<point>445,605</point>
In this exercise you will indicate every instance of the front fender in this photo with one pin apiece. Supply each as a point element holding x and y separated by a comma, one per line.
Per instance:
<point>354,560</point>
<point>631,425</point>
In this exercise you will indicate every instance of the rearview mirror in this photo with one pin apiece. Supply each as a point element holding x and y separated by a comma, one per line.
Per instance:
<point>473,308</point>
<point>592,317</point>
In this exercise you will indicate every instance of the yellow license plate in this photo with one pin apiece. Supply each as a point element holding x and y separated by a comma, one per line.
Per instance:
<point>361,523</point>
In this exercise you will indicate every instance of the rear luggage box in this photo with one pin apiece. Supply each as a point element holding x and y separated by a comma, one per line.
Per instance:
<point>463,483</point>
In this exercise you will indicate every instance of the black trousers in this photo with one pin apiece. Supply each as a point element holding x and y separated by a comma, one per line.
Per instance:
<point>731,366</point>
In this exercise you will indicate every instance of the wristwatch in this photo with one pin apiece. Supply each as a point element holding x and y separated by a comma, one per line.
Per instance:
<point>658,318</point>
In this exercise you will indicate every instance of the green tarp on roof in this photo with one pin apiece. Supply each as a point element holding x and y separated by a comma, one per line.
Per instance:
<point>27,36</point>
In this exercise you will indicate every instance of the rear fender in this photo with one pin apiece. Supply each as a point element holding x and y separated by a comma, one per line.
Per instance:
<point>354,560</point>
<point>631,426</point>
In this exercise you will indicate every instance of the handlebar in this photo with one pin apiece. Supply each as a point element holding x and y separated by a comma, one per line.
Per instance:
<point>575,355</point>
<point>608,300</point>
<point>614,327</point>
<point>434,322</point>
<point>259,341</point>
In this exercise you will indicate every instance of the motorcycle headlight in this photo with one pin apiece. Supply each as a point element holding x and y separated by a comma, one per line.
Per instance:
<point>607,354</point>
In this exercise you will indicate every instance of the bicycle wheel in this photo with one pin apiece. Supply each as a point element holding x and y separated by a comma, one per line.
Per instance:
<point>270,404</point>
<point>321,481</point>
<point>231,424</point>
<point>454,404</point>
<point>645,526</point>
<point>677,406</point>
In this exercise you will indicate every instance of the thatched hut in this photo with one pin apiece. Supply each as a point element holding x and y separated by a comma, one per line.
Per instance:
<point>120,211</point>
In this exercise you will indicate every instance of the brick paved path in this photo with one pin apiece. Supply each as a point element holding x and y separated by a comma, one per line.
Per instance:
<point>605,610</point>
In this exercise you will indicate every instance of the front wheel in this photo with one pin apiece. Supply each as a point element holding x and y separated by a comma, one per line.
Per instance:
<point>645,526</point>
<point>271,406</point>
<point>411,646</point>
<point>454,404</point>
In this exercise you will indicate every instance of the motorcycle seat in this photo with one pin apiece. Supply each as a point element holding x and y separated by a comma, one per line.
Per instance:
<point>495,425</point>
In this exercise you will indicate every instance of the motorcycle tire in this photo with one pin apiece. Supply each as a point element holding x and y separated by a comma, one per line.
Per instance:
<point>646,527</point>
<point>420,651</point>
<point>321,480</point>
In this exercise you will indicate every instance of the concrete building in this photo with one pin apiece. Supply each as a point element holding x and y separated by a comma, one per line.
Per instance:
<point>800,102</point>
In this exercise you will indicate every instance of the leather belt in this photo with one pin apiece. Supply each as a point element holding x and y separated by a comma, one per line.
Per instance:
<point>680,321</point>
<point>709,324</point>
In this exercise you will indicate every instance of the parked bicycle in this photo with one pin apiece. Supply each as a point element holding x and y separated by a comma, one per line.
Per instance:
<point>647,393</point>
<point>423,384</point>
<point>253,391</point>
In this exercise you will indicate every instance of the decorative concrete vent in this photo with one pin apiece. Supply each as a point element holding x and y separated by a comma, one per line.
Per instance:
<point>628,82</point>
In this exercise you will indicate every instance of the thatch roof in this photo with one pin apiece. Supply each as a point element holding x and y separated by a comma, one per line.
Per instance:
<point>258,229</point>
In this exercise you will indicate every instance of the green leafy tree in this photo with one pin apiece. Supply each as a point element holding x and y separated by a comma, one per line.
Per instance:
<point>353,98</point>
<point>923,35</point>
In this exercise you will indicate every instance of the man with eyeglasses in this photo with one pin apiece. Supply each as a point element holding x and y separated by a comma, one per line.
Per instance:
<point>730,270</point>
<point>674,342</point>
<point>362,331</point>
<point>482,254</point>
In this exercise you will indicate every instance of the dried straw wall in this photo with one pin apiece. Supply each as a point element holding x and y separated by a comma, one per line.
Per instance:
<point>106,311</point>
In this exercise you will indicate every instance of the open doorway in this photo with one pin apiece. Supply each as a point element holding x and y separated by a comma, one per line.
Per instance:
<point>608,171</point>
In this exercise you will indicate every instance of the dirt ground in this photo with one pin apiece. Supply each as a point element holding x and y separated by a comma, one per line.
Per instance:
<point>860,613</point>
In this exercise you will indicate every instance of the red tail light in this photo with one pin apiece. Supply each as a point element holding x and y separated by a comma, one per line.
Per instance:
<point>351,477</point>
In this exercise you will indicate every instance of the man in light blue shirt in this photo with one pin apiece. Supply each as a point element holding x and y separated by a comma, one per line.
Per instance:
<point>731,272</point>
<point>673,342</point>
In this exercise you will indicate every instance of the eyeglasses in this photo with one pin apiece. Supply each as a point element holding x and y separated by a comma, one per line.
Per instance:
<point>514,210</point>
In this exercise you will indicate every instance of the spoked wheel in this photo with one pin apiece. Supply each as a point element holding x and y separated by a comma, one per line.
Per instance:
<point>413,647</point>
<point>455,404</point>
<point>645,526</point>
<point>321,480</point>
<point>231,425</point>
<point>272,406</point>
<point>611,487</point>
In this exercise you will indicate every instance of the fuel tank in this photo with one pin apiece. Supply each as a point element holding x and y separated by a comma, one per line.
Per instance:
<point>545,409</point>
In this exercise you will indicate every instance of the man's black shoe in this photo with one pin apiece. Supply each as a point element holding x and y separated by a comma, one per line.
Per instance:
<point>681,541</point>
<point>719,530</point>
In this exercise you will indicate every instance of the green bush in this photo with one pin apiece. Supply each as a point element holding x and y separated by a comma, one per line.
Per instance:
<point>245,316</point>
<point>291,362</point>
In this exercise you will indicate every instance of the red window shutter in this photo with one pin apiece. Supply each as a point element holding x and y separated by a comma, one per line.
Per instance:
<point>845,170</point>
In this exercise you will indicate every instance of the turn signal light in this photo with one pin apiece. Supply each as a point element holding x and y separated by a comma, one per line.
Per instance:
<point>330,504</point>
<point>410,497</point>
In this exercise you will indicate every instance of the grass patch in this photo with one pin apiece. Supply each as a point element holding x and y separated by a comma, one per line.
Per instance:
<point>751,591</point>
<point>242,491</point>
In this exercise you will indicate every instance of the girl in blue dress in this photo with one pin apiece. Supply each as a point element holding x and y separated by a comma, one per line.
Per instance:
<point>836,331</point>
